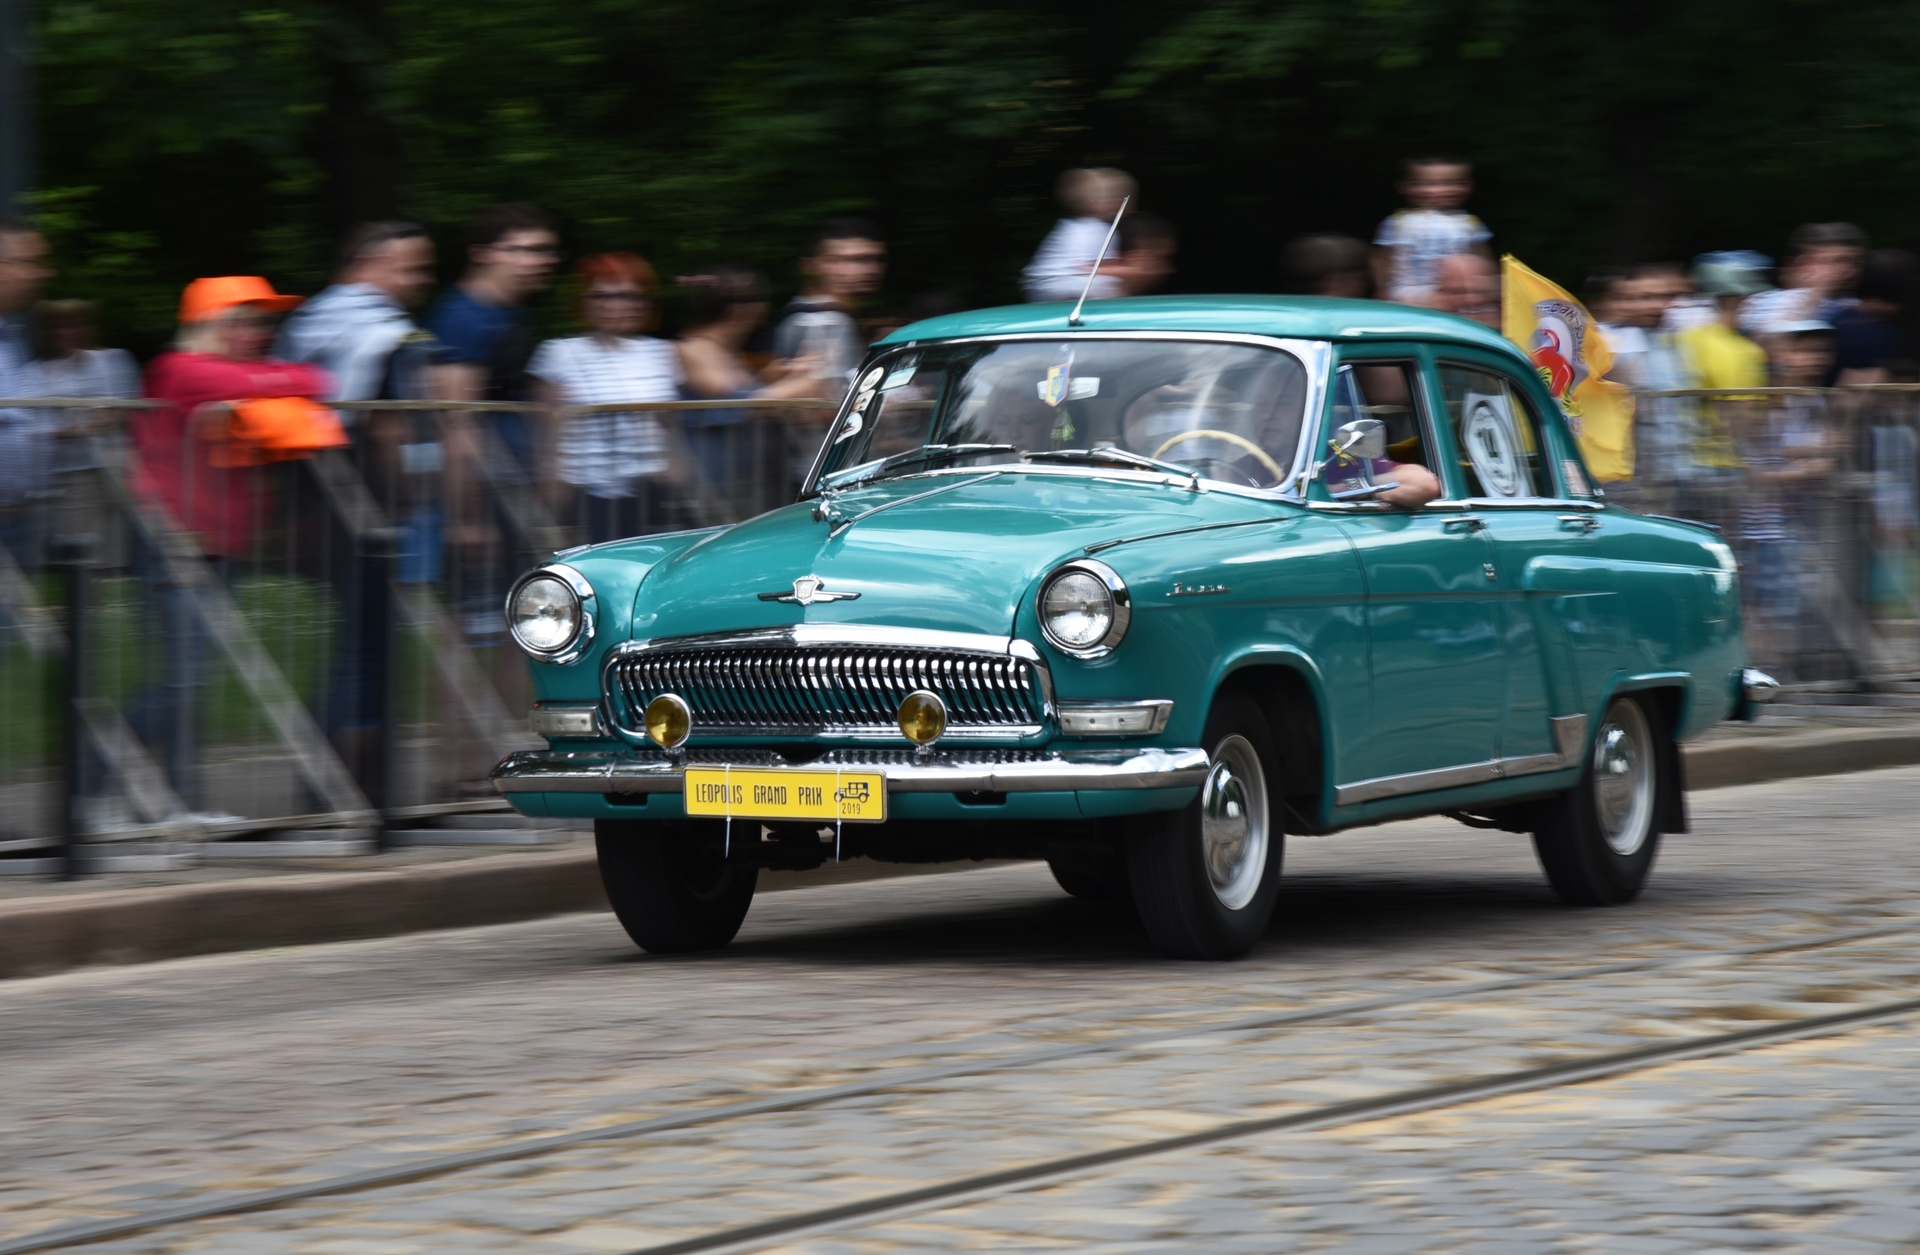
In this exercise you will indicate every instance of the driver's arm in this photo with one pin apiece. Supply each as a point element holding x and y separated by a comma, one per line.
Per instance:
<point>1416,486</point>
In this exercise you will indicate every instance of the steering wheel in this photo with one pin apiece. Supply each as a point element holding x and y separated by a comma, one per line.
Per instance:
<point>1266,459</point>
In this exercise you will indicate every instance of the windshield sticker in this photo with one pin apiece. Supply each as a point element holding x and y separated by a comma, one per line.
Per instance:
<point>855,421</point>
<point>1058,385</point>
<point>902,375</point>
<point>1488,436</point>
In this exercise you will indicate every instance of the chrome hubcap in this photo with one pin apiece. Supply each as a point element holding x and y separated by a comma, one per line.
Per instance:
<point>1623,778</point>
<point>1233,823</point>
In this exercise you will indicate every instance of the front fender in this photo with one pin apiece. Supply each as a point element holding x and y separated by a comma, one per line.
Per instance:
<point>616,570</point>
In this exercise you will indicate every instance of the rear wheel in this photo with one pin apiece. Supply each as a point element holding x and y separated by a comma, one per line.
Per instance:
<point>1597,841</point>
<point>1205,877</point>
<point>670,884</point>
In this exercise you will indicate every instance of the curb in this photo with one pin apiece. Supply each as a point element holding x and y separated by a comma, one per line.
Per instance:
<point>1828,752</point>
<point>39,936</point>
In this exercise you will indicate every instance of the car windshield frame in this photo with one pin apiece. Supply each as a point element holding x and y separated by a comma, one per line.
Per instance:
<point>1312,356</point>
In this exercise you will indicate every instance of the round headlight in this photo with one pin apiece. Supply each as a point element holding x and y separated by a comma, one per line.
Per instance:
<point>544,614</point>
<point>1084,608</point>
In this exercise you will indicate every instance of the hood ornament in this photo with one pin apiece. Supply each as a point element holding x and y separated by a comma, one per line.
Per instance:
<point>807,590</point>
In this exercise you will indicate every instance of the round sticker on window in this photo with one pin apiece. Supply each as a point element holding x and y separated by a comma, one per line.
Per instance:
<point>1488,436</point>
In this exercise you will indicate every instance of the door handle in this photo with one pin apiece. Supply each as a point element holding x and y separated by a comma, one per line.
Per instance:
<point>1466,523</point>
<point>1585,523</point>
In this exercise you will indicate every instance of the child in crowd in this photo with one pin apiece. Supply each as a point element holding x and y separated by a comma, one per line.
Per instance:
<point>1412,242</point>
<point>1061,264</point>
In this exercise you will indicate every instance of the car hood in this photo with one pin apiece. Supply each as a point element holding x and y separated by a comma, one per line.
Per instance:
<point>951,552</point>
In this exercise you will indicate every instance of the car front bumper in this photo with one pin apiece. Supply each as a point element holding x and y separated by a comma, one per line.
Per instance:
<point>960,771</point>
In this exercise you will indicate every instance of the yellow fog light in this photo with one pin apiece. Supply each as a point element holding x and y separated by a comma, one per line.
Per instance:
<point>669,721</point>
<point>923,717</point>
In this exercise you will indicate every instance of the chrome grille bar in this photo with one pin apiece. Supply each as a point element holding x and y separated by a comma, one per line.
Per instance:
<point>807,688</point>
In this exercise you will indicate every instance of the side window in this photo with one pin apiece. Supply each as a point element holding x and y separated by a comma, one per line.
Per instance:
<point>1498,435</point>
<point>1388,392</point>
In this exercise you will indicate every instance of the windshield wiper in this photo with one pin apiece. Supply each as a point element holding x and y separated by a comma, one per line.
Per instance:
<point>928,453</point>
<point>1117,456</point>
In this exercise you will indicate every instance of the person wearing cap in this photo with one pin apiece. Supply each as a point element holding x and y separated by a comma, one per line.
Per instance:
<point>1717,355</point>
<point>229,407</point>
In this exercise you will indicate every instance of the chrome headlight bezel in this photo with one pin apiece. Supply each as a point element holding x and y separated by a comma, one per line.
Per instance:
<point>1120,601</point>
<point>586,612</point>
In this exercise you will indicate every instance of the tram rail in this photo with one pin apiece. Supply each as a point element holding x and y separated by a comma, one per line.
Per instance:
<point>956,1190</point>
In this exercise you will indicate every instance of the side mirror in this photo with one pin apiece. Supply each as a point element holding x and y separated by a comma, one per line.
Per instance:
<point>1363,438</point>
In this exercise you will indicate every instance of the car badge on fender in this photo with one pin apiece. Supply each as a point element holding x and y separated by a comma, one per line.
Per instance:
<point>807,590</point>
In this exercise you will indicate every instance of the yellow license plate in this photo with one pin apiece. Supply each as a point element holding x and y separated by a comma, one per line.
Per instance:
<point>787,793</point>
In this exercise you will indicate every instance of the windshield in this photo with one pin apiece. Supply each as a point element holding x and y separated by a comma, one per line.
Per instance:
<point>1227,412</point>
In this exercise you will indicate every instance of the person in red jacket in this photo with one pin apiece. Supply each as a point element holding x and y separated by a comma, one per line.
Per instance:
<point>231,407</point>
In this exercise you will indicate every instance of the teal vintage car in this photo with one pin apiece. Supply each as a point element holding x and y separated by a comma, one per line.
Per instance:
<point>1130,592</point>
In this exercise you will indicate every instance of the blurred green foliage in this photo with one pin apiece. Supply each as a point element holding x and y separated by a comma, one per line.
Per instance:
<point>186,137</point>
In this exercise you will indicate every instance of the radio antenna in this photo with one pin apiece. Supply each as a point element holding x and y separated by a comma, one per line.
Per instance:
<point>1073,319</point>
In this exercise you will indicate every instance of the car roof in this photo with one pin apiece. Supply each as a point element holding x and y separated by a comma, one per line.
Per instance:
<point>1292,317</point>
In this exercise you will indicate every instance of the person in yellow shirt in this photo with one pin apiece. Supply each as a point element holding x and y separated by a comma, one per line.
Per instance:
<point>1717,355</point>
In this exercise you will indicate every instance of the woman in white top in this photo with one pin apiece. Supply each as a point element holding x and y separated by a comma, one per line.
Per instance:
<point>619,461</point>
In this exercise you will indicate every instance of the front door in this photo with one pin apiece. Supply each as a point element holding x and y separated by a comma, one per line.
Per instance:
<point>1437,670</point>
<point>1539,533</point>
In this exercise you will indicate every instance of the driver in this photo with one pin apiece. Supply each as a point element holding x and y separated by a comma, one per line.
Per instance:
<point>1417,484</point>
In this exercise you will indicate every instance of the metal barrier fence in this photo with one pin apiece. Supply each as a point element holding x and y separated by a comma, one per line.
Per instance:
<point>311,647</point>
<point>1815,489</point>
<point>315,646</point>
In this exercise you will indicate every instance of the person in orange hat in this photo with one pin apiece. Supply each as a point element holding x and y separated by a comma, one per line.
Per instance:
<point>231,407</point>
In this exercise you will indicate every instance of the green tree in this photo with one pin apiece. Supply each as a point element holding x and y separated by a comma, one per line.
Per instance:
<point>186,138</point>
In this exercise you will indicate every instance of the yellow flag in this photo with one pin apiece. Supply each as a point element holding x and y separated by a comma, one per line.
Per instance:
<point>1573,359</point>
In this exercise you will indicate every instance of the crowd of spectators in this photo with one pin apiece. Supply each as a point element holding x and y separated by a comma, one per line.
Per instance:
<point>1840,313</point>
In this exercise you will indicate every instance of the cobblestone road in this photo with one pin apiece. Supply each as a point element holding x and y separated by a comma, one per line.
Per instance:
<point>129,1089</point>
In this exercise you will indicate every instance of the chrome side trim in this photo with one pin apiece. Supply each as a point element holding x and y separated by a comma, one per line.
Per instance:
<point>1142,718</point>
<point>828,634</point>
<point>1451,777</point>
<point>1569,736</point>
<point>1531,765</point>
<point>1757,686</point>
<point>1415,782</point>
<point>1534,503</point>
<point>549,771</point>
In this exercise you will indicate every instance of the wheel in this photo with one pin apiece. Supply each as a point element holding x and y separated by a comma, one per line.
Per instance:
<point>1098,875</point>
<point>670,884</point>
<point>1205,877</point>
<point>1597,840</point>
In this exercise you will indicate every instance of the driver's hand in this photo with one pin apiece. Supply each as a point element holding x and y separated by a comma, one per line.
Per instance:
<point>1415,486</point>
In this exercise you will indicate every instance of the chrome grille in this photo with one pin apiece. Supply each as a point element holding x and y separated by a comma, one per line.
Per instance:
<point>807,689</point>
